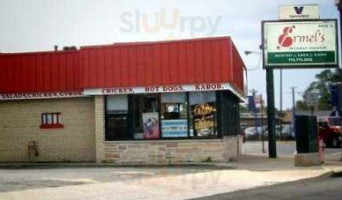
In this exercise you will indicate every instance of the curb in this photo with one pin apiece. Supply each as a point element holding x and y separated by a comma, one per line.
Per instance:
<point>336,174</point>
<point>111,165</point>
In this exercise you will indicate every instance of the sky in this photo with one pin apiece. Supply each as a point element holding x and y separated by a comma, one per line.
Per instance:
<point>38,25</point>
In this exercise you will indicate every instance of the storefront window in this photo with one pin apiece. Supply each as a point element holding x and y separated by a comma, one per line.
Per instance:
<point>203,114</point>
<point>116,117</point>
<point>161,116</point>
<point>174,115</point>
<point>146,120</point>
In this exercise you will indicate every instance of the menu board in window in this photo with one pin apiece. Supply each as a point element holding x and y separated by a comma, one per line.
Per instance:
<point>204,119</point>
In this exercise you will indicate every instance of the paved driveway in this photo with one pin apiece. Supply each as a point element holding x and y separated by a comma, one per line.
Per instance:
<point>159,183</point>
<point>93,183</point>
<point>45,177</point>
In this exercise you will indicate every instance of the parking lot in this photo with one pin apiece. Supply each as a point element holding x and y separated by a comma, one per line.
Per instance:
<point>49,177</point>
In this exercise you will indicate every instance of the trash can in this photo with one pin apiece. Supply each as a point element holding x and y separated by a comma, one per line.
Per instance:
<point>306,134</point>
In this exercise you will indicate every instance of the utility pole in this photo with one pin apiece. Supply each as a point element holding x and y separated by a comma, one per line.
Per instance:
<point>272,145</point>
<point>255,113</point>
<point>262,124</point>
<point>339,7</point>
<point>293,109</point>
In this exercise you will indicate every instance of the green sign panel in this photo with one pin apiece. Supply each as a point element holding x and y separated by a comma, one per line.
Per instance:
<point>297,44</point>
<point>308,57</point>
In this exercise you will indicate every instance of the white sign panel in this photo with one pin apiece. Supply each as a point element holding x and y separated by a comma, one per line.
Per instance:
<point>312,98</point>
<point>41,95</point>
<point>162,89</point>
<point>125,90</point>
<point>298,12</point>
<point>300,43</point>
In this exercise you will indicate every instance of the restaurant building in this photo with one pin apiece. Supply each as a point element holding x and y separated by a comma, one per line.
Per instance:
<point>147,102</point>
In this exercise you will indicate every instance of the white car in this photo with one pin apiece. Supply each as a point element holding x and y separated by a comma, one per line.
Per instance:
<point>254,133</point>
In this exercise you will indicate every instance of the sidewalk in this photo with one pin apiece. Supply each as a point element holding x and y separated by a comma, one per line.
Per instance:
<point>245,173</point>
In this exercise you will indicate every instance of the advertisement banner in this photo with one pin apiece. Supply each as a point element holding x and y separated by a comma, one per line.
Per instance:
<point>204,119</point>
<point>175,128</point>
<point>151,125</point>
<point>298,44</point>
<point>299,12</point>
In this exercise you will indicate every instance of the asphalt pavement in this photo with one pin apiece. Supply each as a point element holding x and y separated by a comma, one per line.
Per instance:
<point>251,176</point>
<point>326,187</point>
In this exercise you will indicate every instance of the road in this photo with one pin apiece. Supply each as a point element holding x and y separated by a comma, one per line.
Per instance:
<point>286,148</point>
<point>327,188</point>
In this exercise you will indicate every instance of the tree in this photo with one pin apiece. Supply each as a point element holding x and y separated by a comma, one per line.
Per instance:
<point>324,80</point>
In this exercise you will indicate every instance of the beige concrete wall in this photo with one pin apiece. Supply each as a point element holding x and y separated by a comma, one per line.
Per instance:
<point>19,124</point>
<point>99,127</point>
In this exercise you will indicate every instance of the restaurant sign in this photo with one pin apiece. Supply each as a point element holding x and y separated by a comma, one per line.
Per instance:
<point>300,44</point>
<point>41,95</point>
<point>163,89</point>
<point>124,90</point>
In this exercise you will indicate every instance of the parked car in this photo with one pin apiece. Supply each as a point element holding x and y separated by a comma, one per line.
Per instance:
<point>330,131</point>
<point>283,132</point>
<point>252,133</point>
<point>243,135</point>
<point>286,132</point>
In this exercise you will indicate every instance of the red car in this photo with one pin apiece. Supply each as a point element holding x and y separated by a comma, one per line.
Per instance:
<point>330,131</point>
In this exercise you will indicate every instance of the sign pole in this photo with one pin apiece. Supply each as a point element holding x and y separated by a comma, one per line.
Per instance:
<point>272,146</point>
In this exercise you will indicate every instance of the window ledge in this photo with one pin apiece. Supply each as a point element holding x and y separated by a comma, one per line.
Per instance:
<point>202,140</point>
<point>48,126</point>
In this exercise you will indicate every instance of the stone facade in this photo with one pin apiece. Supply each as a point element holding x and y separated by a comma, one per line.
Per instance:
<point>161,151</point>
<point>171,151</point>
<point>20,121</point>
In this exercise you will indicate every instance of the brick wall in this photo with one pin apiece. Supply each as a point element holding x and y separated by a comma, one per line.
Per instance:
<point>19,124</point>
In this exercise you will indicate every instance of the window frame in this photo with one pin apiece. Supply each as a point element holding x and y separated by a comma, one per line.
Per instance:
<point>131,115</point>
<point>44,123</point>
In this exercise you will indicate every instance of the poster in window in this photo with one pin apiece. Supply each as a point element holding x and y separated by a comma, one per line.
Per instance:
<point>175,128</point>
<point>204,119</point>
<point>151,125</point>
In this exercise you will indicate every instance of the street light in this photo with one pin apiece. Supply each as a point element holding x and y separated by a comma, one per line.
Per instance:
<point>251,52</point>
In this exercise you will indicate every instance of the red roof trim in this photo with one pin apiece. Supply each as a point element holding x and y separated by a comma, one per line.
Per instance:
<point>191,61</point>
<point>127,44</point>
